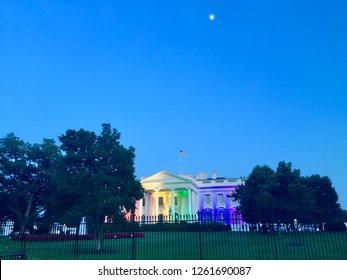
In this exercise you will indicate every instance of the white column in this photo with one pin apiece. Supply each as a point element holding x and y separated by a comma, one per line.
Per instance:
<point>152,204</point>
<point>193,203</point>
<point>189,202</point>
<point>156,202</point>
<point>149,204</point>
<point>140,207</point>
<point>173,203</point>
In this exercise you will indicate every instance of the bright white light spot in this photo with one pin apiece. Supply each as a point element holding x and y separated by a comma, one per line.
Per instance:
<point>211,16</point>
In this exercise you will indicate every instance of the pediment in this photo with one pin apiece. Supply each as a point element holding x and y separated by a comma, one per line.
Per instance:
<point>165,177</point>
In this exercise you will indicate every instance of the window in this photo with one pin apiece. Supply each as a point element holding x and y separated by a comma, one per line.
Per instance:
<point>161,201</point>
<point>143,202</point>
<point>175,200</point>
<point>208,217</point>
<point>235,218</point>
<point>207,199</point>
<point>220,199</point>
<point>221,217</point>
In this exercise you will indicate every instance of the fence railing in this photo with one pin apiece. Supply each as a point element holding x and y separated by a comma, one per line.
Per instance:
<point>181,237</point>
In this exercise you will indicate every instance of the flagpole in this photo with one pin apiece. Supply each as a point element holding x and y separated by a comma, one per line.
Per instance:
<point>181,163</point>
<point>181,153</point>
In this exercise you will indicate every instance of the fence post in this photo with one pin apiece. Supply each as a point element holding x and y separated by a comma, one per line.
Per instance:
<point>199,230</point>
<point>76,241</point>
<point>274,231</point>
<point>133,243</point>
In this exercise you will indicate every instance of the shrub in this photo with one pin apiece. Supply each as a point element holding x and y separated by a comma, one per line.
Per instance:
<point>63,237</point>
<point>42,229</point>
<point>185,226</point>
<point>335,226</point>
<point>119,227</point>
<point>194,227</point>
<point>163,227</point>
<point>52,237</point>
<point>214,226</point>
<point>123,235</point>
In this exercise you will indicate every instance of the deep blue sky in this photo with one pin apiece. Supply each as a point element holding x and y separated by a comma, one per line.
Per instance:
<point>265,81</point>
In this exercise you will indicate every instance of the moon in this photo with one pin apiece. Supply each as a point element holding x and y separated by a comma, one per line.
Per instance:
<point>211,16</point>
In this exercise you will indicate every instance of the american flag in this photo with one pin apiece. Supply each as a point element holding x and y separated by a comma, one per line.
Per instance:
<point>183,153</point>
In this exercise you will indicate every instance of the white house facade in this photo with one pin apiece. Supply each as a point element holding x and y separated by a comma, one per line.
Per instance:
<point>167,194</point>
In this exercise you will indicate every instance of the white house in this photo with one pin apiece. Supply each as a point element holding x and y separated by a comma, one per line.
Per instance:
<point>167,194</point>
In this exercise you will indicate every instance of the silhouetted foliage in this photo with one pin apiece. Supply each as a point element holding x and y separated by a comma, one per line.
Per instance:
<point>95,178</point>
<point>270,196</point>
<point>26,171</point>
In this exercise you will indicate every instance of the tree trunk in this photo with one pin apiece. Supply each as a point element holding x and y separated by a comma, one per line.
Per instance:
<point>98,234</point>
<point>26,215</point>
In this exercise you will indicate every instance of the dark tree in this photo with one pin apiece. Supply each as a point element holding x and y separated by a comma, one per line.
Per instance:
<point>25,178</point>
<point>270,196</point>
<point>255,202</point>
<point>326,199</point>
<point>96,178</point>
<point>294,199</point>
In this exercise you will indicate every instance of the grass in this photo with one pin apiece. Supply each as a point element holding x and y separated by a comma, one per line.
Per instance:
<point>193,246</point>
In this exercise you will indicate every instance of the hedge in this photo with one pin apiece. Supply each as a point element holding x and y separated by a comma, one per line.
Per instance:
<point>335,226</point>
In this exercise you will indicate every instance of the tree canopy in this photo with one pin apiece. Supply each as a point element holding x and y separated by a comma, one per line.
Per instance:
<point>95,177</point>
<point>89,175</point>
<point>326,203</point>
<point>284,195</point>
<point>25,178</point>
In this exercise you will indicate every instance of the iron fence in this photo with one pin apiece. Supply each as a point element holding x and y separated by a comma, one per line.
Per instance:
<point>181,238</point>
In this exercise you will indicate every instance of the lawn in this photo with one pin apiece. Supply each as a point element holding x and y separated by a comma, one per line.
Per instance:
<point>193,246</point>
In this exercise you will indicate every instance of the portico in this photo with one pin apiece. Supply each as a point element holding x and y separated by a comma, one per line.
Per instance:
<point>167,194</point>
